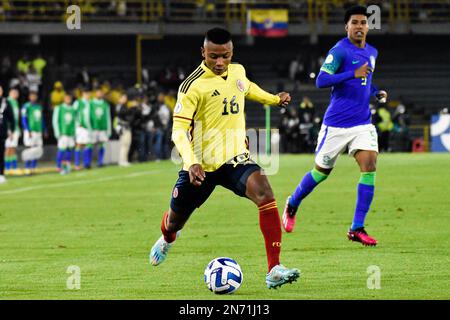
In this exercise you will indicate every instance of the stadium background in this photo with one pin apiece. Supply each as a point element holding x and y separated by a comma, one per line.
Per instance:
<point>123,43</point>
<point>132,42</point>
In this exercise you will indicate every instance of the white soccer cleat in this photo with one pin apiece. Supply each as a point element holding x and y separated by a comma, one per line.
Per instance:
<point>160,250</point>
<point>280,275</point>
<point>124,164</point>
<point>2,179</point>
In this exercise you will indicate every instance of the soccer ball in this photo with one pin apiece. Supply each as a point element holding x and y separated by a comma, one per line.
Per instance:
<point>223,275</point>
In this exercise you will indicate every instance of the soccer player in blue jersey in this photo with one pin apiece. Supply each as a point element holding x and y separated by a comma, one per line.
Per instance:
<point>348,70</point>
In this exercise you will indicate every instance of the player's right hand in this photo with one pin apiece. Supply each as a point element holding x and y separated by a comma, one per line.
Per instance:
<point>285,98</point>
<point>363,71</point>
<point>196,174</point>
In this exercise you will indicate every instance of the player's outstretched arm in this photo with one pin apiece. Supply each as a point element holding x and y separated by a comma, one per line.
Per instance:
<point>257,94</point>
<point>329,76</point>
<point>326,80</point>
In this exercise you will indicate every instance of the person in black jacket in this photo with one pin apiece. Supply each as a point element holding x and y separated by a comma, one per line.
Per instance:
<point>7,126</point>
<point>127,112</point>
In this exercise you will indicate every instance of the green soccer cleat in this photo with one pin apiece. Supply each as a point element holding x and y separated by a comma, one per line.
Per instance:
<point>280,275</point>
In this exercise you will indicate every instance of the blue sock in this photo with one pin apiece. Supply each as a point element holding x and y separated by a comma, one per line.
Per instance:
<point>101,155</point>
<point>68,156</point>
<point>14,163</point>
<point>366,191</point>
<point>27,164</point>
<point>7,164</point>
<point>87,157</point>
<point>34,164</point>
<point>310,180</point>
<point>59,158</point>
<point>77,157</point>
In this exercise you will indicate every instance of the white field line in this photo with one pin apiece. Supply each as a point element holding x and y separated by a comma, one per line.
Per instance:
<point>78,182</point>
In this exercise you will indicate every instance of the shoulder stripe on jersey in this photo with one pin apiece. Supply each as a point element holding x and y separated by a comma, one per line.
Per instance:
<point>193,74</point>
<point>186,86</point>
<point>184,118</point>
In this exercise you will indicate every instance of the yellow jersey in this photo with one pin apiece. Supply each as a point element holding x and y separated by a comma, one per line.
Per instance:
<point>209,119</point>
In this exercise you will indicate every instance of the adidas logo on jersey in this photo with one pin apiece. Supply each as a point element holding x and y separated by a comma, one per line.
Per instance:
<point>215,93</point>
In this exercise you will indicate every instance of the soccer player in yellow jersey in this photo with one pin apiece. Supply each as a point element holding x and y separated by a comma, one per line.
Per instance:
<point>209,133</point>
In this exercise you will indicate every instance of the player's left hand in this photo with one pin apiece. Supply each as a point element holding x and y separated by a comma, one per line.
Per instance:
<point>285,98</point>
<point>381,96</point>
<point>196,174</point>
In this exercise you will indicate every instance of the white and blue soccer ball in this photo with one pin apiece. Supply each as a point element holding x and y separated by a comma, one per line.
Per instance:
<point>223,275</point>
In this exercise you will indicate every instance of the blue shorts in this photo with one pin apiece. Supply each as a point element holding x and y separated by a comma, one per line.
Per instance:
<point>186,197</point>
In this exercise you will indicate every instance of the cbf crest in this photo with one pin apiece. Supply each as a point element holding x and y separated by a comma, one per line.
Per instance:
<point>240,85</point>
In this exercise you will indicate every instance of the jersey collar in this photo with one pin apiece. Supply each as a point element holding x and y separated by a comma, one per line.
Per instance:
<point>353,45</point>
<point>210,72</point>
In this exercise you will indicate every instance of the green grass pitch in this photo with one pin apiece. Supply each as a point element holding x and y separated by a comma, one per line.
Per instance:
<point>105,221</point>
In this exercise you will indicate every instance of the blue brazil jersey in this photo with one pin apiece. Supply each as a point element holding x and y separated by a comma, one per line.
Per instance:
<point>349,105</point>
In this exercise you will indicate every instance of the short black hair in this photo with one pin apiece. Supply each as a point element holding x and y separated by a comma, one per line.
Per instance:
<point>218,36</point>
<point>355,10</point>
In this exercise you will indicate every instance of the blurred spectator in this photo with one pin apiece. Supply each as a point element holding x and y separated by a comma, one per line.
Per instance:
<point>39,64</point>
<point>170,100</point>
<point>87,8</point>
<point>210,8</point>
<point>297,71</point>
<point>83,77</point>
<point>162,128</point>
<point>114,97</point>
<point>121,8</point>
<point>23,64</point>
<point>34,129</point>
<point>148,128</point>
<point>400,136</point>
<point>306,116</point>
<point>127,110</point>
<point>33,79</point>
<point>123,130</point>
<point>290,130</point>
<point>171,77</point>
<point>57,94</point>
<point>384,127</point>
<point>136,125</point>
<point>6,121</point>
<point>100,117</point>
<point>6,72</point>
<point>319,63</point>
<point>200,8</point>
<point>106,89</point>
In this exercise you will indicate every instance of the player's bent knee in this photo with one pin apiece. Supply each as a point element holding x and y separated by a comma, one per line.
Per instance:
<point>369,167</point>
<point>326,171</point>
<point>264,196</point>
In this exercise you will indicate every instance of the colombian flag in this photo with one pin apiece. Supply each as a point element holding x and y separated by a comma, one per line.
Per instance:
<point>267,22</point>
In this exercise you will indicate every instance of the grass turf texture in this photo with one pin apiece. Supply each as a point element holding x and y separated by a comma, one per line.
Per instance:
<point>106,220</point>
